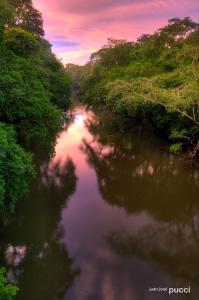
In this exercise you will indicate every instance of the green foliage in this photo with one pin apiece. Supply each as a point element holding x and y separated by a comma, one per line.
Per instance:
<point>171,81</point>
<point>6,16</point>
<point>123,98</point>
<point>20,42</point>
<point>33,85</point>
<point>24,100</point>
<point>33,88</point>
<point>115,53</point>
<point>169,65</point>
<point>177,29</point>
<point>21,14</point>
<point>60,88</point>
<point>175,134</point>
<point>155,78</point>
<point>193,38</point>
<point>6,13</point>
<point>27,16</point>
<point>15,170</point>
<point>7,291</point>
<point>176,148</point>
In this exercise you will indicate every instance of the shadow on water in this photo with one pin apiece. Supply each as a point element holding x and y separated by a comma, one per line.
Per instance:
<point>133,175</point>
<point>32,247</point>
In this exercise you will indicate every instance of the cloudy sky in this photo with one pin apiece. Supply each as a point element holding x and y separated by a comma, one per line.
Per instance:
<point>76,28</point>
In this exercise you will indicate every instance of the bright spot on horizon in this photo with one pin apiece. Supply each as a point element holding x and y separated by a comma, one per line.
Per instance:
<point>79,119</point>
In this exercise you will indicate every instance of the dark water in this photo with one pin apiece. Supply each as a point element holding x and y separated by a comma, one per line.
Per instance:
<point>108,217</point>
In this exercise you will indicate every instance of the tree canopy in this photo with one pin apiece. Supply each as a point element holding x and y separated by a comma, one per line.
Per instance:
<point>154,78</point>
<point>34,88</point>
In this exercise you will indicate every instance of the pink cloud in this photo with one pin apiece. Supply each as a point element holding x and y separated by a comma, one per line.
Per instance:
<point>87,23</point>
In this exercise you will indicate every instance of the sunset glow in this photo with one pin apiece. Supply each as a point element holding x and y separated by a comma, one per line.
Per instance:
<point>79,27</point>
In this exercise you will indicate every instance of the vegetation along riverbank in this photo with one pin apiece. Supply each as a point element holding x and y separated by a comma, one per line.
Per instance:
<point>154,79</point>
<point>34,89</point>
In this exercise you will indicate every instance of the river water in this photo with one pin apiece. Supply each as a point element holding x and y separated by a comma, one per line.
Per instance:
<point>110,216</point>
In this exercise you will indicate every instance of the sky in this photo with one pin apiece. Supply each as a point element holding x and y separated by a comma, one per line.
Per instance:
<point>77,28</point>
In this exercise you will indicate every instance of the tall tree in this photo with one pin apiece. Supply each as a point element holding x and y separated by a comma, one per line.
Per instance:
<point>28,17</point>
<point>177,29</point>
<point>114,53</point>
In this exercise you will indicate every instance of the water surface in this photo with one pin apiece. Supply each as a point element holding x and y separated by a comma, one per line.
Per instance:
<point>109,216</point>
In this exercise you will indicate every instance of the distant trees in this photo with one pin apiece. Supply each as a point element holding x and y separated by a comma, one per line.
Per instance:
<point>114,53</point>
<point>155,78</point>
<point>177,29</point>
<point>168,37</point>
<point>77,74</point>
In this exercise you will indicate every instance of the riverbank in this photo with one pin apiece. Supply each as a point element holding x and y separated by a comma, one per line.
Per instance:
<point>153,79</point>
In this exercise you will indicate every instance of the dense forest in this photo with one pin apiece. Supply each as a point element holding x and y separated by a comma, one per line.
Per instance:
<point>154,79</point>
<point>34,89</point>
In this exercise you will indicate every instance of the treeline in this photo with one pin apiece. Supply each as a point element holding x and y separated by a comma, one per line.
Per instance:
<point>155,78</point>
<point>34,89</point>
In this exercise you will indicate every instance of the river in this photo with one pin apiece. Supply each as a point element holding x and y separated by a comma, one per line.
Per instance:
<point>110,216</point>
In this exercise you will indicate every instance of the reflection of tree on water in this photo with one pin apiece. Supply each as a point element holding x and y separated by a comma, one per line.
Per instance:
<point>44,150</point>
<point>173,247</point>
<point>32,247</point>
<point>135,176</point>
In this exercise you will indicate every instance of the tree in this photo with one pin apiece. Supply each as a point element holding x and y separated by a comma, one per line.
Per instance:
<point>114,53</point>
<point>27,17</point>
<point>21,42</point>
<point>61,90</point>
<point>177,29</point>
<point>15,170</point>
